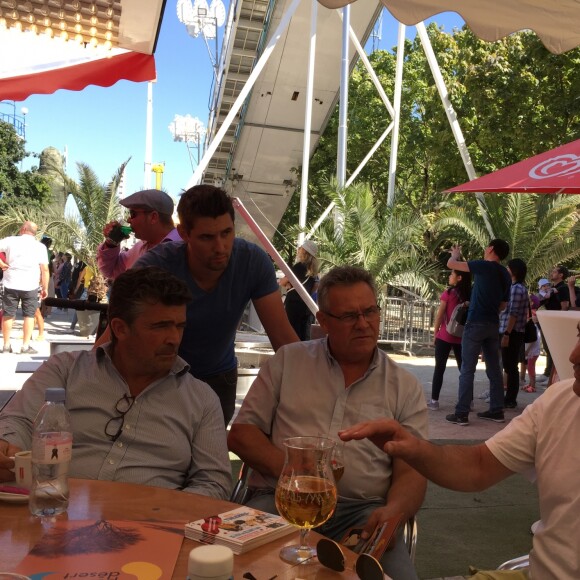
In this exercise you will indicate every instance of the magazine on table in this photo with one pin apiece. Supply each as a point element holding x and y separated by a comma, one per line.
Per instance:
<point>241,529</point>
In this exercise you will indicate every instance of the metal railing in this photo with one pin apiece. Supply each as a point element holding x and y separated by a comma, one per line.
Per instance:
<point>407,322</point>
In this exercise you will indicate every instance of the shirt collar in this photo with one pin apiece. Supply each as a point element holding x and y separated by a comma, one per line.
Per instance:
<point>373,364</point>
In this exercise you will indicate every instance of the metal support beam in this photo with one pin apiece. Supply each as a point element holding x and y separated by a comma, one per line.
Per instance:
<point>452,118</point>
<point>343,104</point>
<point>267,244</point>
<point>307,122</point>
<point>148,138</point>
<point>397,116</point>
<point>369,67</point>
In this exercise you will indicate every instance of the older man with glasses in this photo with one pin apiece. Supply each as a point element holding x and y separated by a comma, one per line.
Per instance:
<point>137,414</point>
<point>323,386</point>
<point>150,217</point>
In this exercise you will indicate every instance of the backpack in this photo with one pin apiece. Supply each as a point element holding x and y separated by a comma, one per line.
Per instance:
<point>456,322</point>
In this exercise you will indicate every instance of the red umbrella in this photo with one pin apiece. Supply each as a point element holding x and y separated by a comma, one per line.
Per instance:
<point>555,171</point>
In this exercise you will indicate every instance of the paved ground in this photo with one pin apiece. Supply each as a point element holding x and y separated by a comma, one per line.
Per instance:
<point>493,525</point>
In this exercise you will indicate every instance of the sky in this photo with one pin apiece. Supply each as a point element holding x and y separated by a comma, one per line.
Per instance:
<point>105,126</point>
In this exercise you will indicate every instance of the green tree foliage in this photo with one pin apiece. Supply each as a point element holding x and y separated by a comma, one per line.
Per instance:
<point>97,205</point>
<point>17,187</point>
<point>513,99</point>
<point>543,230</point>
<point>385,241</point>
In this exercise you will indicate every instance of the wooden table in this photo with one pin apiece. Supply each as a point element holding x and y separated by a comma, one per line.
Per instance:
<point>19,531</point>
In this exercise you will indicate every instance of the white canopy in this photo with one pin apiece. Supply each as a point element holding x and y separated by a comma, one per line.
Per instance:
<point>556,22</point>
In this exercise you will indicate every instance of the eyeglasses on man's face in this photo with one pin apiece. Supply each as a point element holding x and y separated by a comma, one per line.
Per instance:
<point>114,425</point>
<point>133,213</point>
<point>370,315</point>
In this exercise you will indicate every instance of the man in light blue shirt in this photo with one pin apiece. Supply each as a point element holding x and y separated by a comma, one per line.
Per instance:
<point>137,414</point>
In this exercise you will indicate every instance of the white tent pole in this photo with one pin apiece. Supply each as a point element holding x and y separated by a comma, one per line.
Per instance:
<point>369,67</point>
<point>321,219</point>
<point>369,154</point>
<point>267,244</point>
<point>308,121</point>
<point>397,117</point>
<point>196,177</point>
<point>343,104</point>
<point>148,138</point>
<point>350,180</point>
<point>452,117</point>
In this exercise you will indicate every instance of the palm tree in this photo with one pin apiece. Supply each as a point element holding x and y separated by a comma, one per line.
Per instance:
<point>382,240</point>
<point>97,205</point>
<point>543,230</point>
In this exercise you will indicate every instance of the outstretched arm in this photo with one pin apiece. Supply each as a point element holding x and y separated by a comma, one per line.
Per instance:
<point>456,467</point>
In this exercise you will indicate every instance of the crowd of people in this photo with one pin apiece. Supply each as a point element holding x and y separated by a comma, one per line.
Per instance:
<point>501,326</point>
<point>151,402</point>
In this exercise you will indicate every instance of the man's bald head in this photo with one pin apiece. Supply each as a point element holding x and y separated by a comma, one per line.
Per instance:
<point>29,228</point>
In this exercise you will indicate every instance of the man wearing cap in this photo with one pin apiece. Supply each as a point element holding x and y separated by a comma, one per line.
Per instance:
<point>150,217</point>
<point>306,270</point>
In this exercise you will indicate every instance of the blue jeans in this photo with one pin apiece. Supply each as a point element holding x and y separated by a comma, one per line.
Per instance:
<point>480,336</point>
<point>351,513</point>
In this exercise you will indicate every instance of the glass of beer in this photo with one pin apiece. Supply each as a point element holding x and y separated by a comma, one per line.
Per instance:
<point>306,490</point>
<point>337,461</point>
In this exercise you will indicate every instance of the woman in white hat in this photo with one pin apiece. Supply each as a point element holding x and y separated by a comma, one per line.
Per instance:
<point>306,270</point>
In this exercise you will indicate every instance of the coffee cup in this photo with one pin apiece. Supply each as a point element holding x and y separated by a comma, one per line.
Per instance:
<point>23,468</point>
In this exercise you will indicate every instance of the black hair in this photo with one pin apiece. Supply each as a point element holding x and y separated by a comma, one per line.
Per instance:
<point>563,270</point>
<point>203,201</point>
<point>463,287</point>
<point>518,269</point>
<point>138,288</point>
<point>501,248</point>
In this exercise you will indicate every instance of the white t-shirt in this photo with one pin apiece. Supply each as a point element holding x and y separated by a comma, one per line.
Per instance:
<point>544,443</point>
<point>24,254</point>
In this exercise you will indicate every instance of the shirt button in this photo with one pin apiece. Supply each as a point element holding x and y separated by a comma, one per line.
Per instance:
<point>111,462</point>
<point>127,427</point>
<point>119,444</point>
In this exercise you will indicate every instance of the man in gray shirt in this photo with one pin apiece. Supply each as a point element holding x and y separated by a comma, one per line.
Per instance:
<point>324,386</point>
<point>137,414</point>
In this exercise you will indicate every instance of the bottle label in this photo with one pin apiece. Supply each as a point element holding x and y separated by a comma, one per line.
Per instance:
<point>52,448</point>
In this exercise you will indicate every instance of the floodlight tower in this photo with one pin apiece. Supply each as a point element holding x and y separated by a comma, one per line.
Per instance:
<point>204,20</point>
<point>191,131</point>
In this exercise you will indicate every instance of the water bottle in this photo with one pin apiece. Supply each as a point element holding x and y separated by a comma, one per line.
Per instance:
<point>51,455</point>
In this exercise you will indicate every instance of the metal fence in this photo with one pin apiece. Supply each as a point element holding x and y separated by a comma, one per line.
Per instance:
<point>408,323</point>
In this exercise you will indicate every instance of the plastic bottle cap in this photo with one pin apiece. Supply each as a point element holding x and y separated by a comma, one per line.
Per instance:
<point>211,562</point>
<point>55,394</point>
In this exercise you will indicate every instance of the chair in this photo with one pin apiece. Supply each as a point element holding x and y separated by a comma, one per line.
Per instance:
<point>522,563</point>
<point>242,493</point>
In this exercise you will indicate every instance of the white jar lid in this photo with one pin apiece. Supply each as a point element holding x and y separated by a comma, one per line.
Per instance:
<point>211,562</point>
